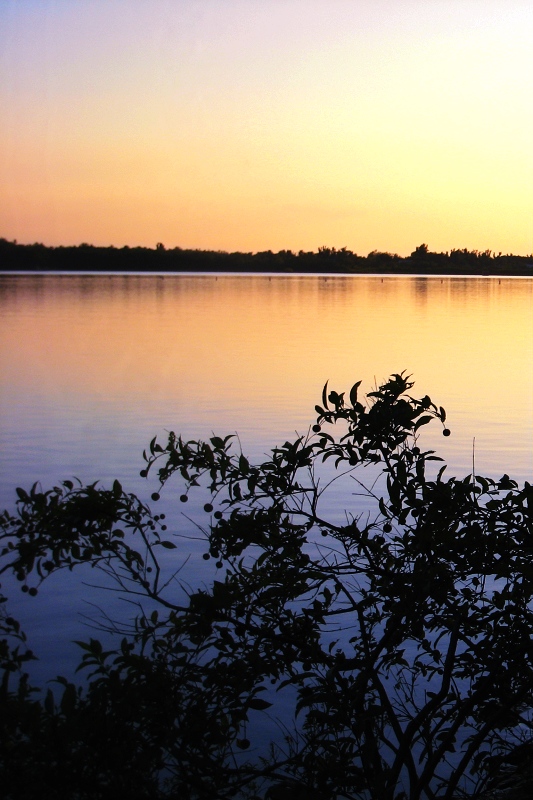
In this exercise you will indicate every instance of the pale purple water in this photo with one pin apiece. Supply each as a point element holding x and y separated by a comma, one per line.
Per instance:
<point>93,367</point>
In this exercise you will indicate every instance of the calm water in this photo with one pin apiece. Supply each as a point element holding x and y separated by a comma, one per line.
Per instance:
<point>94,366</point>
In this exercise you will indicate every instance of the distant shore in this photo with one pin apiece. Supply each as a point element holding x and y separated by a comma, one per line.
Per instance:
<point>16,257</point>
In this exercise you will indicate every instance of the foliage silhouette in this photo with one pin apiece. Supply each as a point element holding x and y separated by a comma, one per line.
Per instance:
<point>396,644</point>
<point>87,257</point>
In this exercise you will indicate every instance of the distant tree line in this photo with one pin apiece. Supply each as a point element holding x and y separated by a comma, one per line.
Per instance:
<point>87,257</point>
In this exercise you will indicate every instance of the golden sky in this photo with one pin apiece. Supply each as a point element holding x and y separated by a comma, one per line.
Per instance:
<point>268,124</point>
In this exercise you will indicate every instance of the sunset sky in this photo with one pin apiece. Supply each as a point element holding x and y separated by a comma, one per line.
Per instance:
<point>268,124</point>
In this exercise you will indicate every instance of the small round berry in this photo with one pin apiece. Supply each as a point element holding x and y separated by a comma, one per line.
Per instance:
<point>163,527</point>
<point>208,507</point>
<point>219,565</point>
<point>24,588</point>
<point>162,516</point>
<point>183,498</point>
<point>243,744</point>
<point>218,515</point>
<point>33,591</point>
<point>155,496</point>
<point>446,432</point>
<point>206,556</point>
<point>143,473</point>
<point>387,528</point>
<point>416,451</point>
<point>316,428</point>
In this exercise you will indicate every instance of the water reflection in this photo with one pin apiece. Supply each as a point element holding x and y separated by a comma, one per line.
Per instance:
<point>133,355</point>
<point>94,366</point>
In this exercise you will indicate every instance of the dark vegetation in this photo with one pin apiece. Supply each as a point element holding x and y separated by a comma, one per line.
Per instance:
<point>394,645</point>
<point>86,257</point>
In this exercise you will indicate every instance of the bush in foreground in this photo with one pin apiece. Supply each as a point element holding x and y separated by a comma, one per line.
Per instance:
<point>394,645</point>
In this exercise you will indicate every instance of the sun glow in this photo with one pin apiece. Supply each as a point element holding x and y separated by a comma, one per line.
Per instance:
<point>250,126</point>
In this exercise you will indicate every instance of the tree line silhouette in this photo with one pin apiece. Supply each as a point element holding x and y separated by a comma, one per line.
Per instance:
<point>86,257</point>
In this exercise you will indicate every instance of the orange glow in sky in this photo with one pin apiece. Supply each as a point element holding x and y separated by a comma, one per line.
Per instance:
<point>252,125</point>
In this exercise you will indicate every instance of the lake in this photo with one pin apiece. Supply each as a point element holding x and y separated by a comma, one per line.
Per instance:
<point>94,366</point>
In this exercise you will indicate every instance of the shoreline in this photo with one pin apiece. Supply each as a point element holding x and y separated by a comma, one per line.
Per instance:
<point>85,258</point>
<point>250,274</point>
